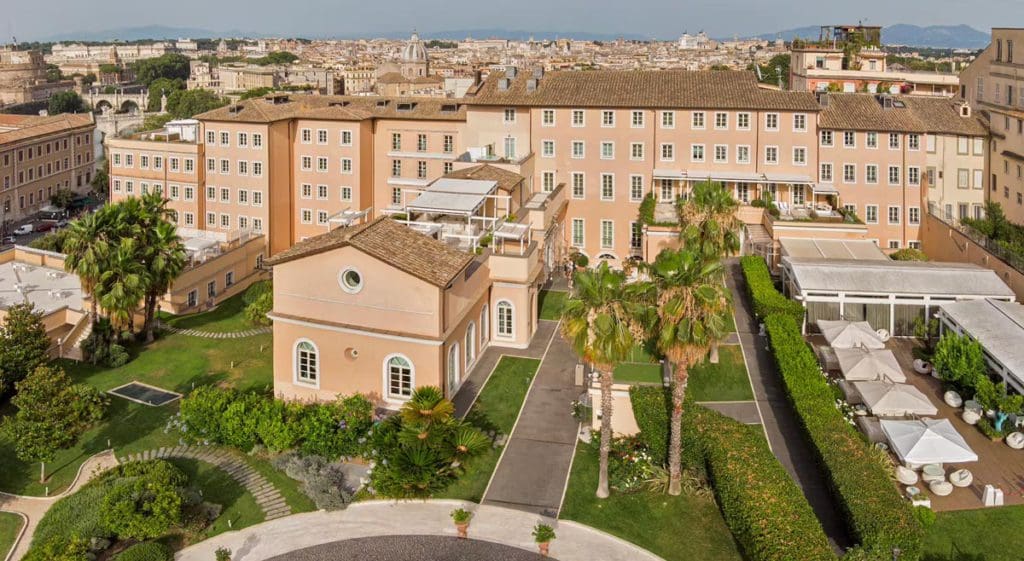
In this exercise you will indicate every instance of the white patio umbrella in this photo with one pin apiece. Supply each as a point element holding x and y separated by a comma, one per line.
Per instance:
<point>894,400</point>
<point>928,441</point>
<point>870,365</point>
<point>843,334</point>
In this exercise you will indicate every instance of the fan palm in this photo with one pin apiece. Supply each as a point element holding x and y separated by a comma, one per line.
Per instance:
<point>597,322</point>
<point>165,258</point>
<point>87,248</point>
<point>122,284</point>
<point>709,226</point>
<point>426,410</point>
<point>685,293</point>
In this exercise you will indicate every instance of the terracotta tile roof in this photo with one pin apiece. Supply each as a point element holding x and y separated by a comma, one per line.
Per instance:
<point>397,78</point>
<point>336,107</point>
<point>41,126</point>
<point>506,180</point>
<point>421,256</point>
<point>704,89</point>
<point>918,114</point>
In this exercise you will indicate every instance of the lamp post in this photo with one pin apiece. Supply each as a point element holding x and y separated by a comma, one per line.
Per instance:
<point>896,554</point>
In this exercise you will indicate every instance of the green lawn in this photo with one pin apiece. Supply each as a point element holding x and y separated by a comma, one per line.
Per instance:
<point>10,525</point>
<point>174,362</point>
<point>725,381</point>
<point>496,408</point>
<point>993,534</point>
<point>683,528</point>
<point>550,303</point>
<point>239,505</point>
<point>638,373</point>
<point>226,317</point>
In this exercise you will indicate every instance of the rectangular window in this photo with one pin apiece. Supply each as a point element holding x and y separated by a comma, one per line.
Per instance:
<point>578,118</point>
<point>871,214</point>
<point>421,169</point>
<point>396,168</point>
<point>637,119</point>
<point>243,197</point>
<point>396,196</point>
<point>636,188</point>
<point>962,178</point>
<point>743,121</point>
<point>306,216</point>
<point>607,187</point>
<point>607,234</point>
<point>321,192</point>
<point>636,151</point>
<point>346,165</point>
<point>257,198</point>
<point>547,148</point>
<point>894,215</point>
<point>799,156</point>
<point>307,136</point>
<point>510,115</point>
<point>547,117</point>
<point>849,139</point>
<point>799,122</point>
<point>396,141</point>
<point>913,142</point>
<point>306,162</point>
<point>914,175</point>
<point>825,172</point>
<point>577,232</point>
<point>243,167</point>
<point>721,121</point>
<point>578,149</point>
<point>636,235</point>
<point>894,141</point>
<point>578,185</point>
<point>225,139</point>
<point>321,164</point>
<point>871,140</point>
<point>743,154</point>
<point>771,121</point>
<point>771,155</point>
<point>547,181</point>
<point>421,143</point>
<point>607,118</point>
<point>871,174</point>
<point>448,143</point>
<point>668,119</point>
<point>257,140</point>
<point>827,138</point>
<point>306,191</point>
<point>696,152</point>
<point>607,150</point>
<point>894,175</point>
<point>321,217</point>
<point>849,173</point>
<point>211,137</point>
<point>346,138</point>
<point>668,152</point>
<point>721,154</point>
<point>225,195</point>
<point>697,120</point>
<point>914,215</point>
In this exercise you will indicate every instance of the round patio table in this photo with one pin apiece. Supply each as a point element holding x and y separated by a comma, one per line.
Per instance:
<point>933,472</point>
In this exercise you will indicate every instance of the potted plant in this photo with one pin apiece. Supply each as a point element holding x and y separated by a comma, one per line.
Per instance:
<point>222,554</point>
<point>543,535</point>
<point>460,517</point>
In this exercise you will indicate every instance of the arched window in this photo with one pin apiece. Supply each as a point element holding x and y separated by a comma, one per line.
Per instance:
<point>453,369</point>
<point>485,317</point>
<point>307,362</point>
<point>400,376</point>
<point>470,344</point>
<point>505,319</point>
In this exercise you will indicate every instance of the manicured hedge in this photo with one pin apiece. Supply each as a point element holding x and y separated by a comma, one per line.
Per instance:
<point>766,511</point>
<point>876,514</point>
<point>765,298</point>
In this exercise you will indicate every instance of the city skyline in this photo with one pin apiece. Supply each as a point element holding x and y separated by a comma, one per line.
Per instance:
<point>318,18</point>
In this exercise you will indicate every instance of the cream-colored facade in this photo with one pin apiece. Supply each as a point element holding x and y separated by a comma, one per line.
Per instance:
<point>41,155</point>
<point>994,85</point>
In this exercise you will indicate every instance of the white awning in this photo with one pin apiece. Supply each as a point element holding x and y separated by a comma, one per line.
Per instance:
<point>745,177</point>
<point>447,203</point>
<point>842,334</point>
<point>885,399</point>
<point>870,365</point>
<point>669,174</point>
<point>928,441</point>
<point>512,231</point>
<point>787,178</point>
<point>463,186</point>
<point>823,189</point>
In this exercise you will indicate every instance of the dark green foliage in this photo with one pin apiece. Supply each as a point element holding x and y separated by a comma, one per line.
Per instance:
<point>766,511</point>
<point>765,298</point>
<point>222,554</point>
<point>65,102</point>
<point>240,421</point>
<point>257,311</point>
<point>960,362</point>
<point>161,87</point>
<point>280,424</point>
<point>61,549</point>
<point>908,254</point>
<point>651,408</point>
<point>255,92</point>
<point>879,518</point>
<point>146,551</point>
<point>647,209</point>
<point>775,71</point>
<point>74,515</point>
<point>171,66</point>
<point>24,345</point>
<point>155,122</point>
<point>62,197</point>
<point>52,241</point>
<point>184,104</point>
<point>256,290</point>
<point>144,499</point>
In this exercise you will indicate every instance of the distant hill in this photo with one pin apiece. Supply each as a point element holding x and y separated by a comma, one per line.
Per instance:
<point>938,36</point>
<point>145,32</point>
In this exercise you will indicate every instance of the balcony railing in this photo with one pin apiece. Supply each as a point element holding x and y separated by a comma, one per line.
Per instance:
<point>1011,258</point>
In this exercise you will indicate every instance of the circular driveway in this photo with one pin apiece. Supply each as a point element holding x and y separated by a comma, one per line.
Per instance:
<point>410,548</point>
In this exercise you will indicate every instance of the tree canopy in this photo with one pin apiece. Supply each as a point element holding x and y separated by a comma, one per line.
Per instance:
<point>183,104</point>
<point>162,86</point>
<point>171,66</point>
<point>24,345</point>
<point>65,102</point>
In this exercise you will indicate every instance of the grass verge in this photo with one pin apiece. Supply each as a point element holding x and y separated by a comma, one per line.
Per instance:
<point>496,408</point>
<point>550,303</point>
<point>725,381</point>
<point>991,534</point>
<point>10,525</point>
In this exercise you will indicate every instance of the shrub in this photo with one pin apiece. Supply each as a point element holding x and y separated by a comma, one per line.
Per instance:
<point>74,515</point>
<point>117,356</point>
<point>222,554</point>
<point>647,207</point>
<point>908,254</point>
<point>651,408</point>
<point>144,500</point>
<point>279,425</point>
<point>960,362</point>
<point>146,551</point>
<point>765,510</point>
<point>542,533</point>
<point>201,412</point>
<point>258,289</point>
<point>61,548</point>
<point>238,426</point>
<point>256,313</point>
<point>763,296</point>
<point>631,466</point>
<point>878,517</point>
<point>335,429</point>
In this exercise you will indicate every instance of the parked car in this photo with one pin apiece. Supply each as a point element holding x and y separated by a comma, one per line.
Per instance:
<point>24,229</point>
<point>8,240</point>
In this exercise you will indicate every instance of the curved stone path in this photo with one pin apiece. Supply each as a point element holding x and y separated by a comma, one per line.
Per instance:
<point>285,537</point>
<point>218,335</point>
<point>269,499</point>
<point>32,509</point>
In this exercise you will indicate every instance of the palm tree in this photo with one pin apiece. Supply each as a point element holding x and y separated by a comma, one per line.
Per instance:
<point>709,226</point>
<point>599,323</point>
<point>87,248</point>
<point>685,293</point>
<point>122,284</point>
<point>165,258</point>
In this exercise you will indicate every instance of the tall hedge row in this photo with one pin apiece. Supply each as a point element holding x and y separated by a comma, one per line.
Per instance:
<point>879,518</point>
<point>765,298</point>
<point>763,507</point>
<point>765,510</point>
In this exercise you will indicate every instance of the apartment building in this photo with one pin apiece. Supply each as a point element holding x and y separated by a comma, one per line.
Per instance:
<point>39,156</point>
<point>993,84</point>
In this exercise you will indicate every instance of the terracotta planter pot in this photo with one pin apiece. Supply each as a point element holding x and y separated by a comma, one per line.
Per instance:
<point>544,548</point>
<point>463,529</point>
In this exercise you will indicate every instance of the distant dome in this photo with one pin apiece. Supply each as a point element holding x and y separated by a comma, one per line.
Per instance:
<point>414,50</point>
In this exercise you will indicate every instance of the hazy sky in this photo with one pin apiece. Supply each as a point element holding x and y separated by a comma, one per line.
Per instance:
<point>655,18</point>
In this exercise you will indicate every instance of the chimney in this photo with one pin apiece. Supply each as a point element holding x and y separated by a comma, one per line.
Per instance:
<point>477,77</point>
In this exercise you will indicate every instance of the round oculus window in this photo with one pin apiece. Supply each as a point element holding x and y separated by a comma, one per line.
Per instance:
<point>351,280</point>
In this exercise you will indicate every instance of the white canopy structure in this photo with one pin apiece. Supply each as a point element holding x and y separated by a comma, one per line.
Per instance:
<point>869,365</point>
<point>894,400</point>
<point>928,441</point>
<point>850,334</point>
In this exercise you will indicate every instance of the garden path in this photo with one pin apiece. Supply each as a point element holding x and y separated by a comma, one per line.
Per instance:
<point>218,335</point>
<point>32,509</point>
